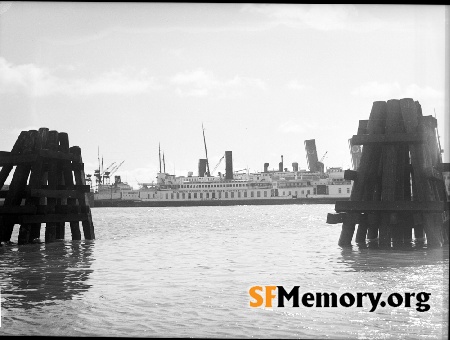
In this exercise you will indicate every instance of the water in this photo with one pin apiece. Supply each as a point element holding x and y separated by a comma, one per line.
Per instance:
<point>186,271</point>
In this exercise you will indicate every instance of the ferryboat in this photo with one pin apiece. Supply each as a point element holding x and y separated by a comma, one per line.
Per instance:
<point>280,186</point>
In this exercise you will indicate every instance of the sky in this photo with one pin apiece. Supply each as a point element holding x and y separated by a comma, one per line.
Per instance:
<point>122,78</point>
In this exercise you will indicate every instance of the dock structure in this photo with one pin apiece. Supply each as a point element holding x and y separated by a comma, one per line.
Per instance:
<point>47,186</point>
<point>398,186</point>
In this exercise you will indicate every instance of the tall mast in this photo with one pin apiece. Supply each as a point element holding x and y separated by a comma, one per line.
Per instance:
<point>99,169</point>
<point>206,152</point>
<point>164,163</point>
<point>159,147</point>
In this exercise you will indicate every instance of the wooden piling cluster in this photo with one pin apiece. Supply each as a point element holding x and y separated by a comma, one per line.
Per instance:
<point>398,185</point>
<point>47,186</point>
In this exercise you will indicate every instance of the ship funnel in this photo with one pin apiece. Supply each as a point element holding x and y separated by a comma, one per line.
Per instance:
<point>228,165</point>
<point>266,166</point>
<point>356,152</point>
<point>320,167</point>
<point>280,165</point>
<point>201,167</point>
<point>295,166</point>
<point>311,155</point>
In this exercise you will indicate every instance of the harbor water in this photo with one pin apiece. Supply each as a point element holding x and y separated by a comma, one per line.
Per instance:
<point>186,272</point>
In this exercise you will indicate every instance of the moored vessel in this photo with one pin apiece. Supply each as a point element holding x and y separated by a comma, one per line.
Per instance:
<point>281,186</point>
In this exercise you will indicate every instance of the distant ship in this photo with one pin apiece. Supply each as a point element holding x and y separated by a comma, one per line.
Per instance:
<point>271,187</point>
<point>280,186</point>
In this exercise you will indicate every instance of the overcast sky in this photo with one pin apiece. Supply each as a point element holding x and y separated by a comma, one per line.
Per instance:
<point>262,78</point>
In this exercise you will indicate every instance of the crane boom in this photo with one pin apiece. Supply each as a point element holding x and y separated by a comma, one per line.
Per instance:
<point>115,168</point>
<point>108,168</point>
<point>323,157</point>
<point>215,168</point>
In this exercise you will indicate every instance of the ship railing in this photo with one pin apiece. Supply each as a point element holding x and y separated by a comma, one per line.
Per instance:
<point>260,186</point>
<point>340,183</point>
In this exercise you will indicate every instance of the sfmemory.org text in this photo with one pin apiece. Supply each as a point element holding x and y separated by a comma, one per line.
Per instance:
<point>263,296</point>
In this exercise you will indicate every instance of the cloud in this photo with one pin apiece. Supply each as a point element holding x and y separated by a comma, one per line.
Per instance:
<point>414,90</point>
<point>17,131</point>
<point>375,89</point>
<point>321,17</point>
<point>4,6</point>
<point>199,83</point>
<point>395,90</point>
<point>305,127</point>
<point>297,86</point>
<point>40,81</point>
<point>88,38</point>
<point>291,127</point>
<point>115,82</point>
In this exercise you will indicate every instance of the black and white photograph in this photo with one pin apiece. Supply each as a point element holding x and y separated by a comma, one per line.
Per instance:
<point>224,170</point>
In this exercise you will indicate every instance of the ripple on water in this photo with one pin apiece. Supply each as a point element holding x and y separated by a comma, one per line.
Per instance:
<point>185,272</point>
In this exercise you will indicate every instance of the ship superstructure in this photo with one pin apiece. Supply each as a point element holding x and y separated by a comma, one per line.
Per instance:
<point>281,184</point>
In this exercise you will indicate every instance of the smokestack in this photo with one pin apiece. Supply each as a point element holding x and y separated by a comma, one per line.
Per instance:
<point>295,166</point>
<point>201,167</point>
<point>228,165</point>
<point>266,166</point>
<point>320,167</point>
<point>356,152</point>
<point>280,165</point>
<point>311,154</point>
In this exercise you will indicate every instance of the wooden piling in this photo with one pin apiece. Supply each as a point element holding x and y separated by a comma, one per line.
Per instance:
<point>69,184</point>
<point>88,226</point>
<point>16,150</point>
<point>398,184</point>
<point>52,144</point>
<point>50,195</point>
<point>18,184</point>
<point>29,232</point>
<point>361,232</point>
<point>392,176</point>
<point>370,156</point>
<point>422,158</point>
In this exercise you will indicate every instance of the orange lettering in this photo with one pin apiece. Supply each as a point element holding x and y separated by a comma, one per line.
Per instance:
<point>258,298</point>
<point>270,295</point>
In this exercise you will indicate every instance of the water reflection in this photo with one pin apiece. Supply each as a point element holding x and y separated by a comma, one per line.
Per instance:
<point>371,258</point>
<point>42,274</point>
